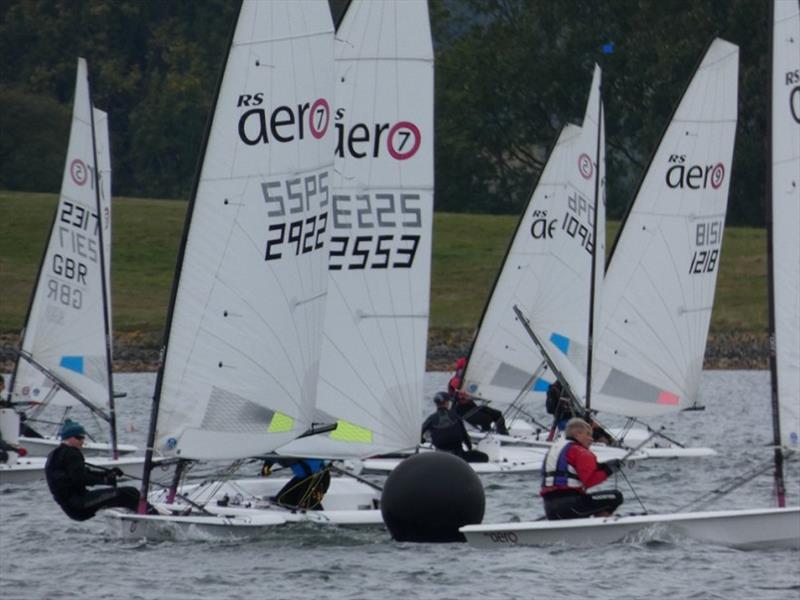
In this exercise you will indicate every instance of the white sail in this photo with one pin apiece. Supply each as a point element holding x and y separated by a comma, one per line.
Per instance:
<point>242,354</point>
<point>786,214</point>
<point>659,288</point>
<point>547,272</point>
<point>66,329</point>
<point>373,354</point>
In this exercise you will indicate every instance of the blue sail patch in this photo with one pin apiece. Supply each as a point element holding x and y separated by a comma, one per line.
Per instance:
<point>73,363</point>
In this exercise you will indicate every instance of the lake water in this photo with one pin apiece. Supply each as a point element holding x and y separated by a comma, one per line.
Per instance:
<point>45,555</point>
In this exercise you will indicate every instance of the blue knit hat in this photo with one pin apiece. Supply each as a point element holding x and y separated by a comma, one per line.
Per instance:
<point>71,428</point>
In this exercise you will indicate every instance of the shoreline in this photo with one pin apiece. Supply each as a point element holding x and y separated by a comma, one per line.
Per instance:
<point>137,352</point>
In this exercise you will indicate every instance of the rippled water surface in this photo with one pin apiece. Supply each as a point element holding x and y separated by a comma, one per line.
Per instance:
<point>45,555</point>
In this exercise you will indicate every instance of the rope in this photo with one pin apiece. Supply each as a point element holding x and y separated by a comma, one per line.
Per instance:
<point>635,495</point>
<point>722,491</point>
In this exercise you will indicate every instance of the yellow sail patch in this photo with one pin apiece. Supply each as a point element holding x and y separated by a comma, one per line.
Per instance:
<point>348,432</point>
<point>280,423</point>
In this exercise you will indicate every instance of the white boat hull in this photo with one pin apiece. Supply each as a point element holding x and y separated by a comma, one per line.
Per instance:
<point>43,447</point>
<point>241,509</point>
<point>132,526</point>
<point>633,438</point>
<point>504,458</point>
<point>31,469</point>
<point>752,528</point>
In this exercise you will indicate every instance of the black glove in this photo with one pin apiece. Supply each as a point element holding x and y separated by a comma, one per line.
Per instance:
<point>612,466</point>
<point>111,478</point>
<point>117,472</point>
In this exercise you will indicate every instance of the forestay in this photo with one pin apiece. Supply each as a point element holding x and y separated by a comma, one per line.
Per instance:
<point>242,355</point>
<point>67,322</point>
<point>659,288</point>
<point>786,214</point>
<point>373,353</point>
<point>547,271</point>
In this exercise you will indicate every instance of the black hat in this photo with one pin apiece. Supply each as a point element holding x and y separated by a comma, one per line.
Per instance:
<point>441,397</point>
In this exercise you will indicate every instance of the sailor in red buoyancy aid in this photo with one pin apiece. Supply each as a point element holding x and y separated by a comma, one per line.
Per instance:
<point>569,470</point>
<point>482,417</point>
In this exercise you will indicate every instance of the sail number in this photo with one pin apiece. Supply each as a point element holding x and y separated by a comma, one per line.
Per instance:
<point>580,209</point>
<point>381,209</point>
<point>299,196</point>
<point>78,217</point>
<point>304,234</point>
<point>373,252</point>
<point>64,293</point>
<point>708,234</point>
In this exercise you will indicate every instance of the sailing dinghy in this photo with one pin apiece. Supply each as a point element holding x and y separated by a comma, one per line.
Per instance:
<point>554,271</point>
<point>372,363</point>
<point>64,359</point>
<point>749,527</point>
<point>244,327</point>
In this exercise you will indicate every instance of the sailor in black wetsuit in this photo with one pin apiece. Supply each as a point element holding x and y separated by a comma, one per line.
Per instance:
<point>68,477</point>
<point>447,431</point>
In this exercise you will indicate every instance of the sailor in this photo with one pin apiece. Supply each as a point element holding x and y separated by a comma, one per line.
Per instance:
<point>447,431</point>
<point>558,405</point>
<point>306,489</point>
<point>482,417</point>
<point>68,477</point>
<point>569,469</point>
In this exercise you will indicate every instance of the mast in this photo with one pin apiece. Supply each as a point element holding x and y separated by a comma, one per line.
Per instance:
<point>592,284</point>
<point>151,432</point>
<point>780,487</point>
<point>96,180</point>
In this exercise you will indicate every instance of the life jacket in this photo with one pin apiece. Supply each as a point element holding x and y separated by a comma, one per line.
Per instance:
<point>557,473</point>
<point>307,467</point>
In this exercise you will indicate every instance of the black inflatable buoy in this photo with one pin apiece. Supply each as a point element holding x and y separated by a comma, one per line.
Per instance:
<point>428,496</point>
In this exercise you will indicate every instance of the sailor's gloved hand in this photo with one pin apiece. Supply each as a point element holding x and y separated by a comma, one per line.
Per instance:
<point>117,472</point>
<point>612,466</point>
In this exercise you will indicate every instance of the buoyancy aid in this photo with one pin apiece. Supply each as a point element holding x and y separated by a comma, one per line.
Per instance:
<point>557,473</point>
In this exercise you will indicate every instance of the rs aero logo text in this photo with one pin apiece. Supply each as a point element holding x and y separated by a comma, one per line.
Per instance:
<point>399,140</point>
<point>283,123</point>
<point>681,174</point>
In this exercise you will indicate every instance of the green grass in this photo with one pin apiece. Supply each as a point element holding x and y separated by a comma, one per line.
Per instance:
<point>467,252</point>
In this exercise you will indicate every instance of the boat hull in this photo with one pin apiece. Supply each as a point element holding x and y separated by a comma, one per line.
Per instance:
<point>30,470</point>
<point>752,528</point>
<point>132,526</point>
<point>43,447</point>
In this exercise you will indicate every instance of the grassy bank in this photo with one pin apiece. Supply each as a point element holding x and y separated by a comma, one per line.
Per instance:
<point>467,253</point>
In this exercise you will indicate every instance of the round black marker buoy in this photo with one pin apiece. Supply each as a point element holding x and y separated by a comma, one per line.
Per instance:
<point>428,496</point>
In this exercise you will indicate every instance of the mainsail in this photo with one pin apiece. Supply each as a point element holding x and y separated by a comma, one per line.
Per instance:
<point>373,353</point>
<point>785,241</point>
<point>548,270</point>
<point>245,324</point>
<point>659,287</point>
<point>67,330</point>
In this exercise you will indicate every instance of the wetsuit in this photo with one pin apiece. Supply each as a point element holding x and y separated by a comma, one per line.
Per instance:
<point>568,471</point>
<point>308,486</point>
<point>68,476</point>
<point>448,434</point>
<point>482,417</point>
